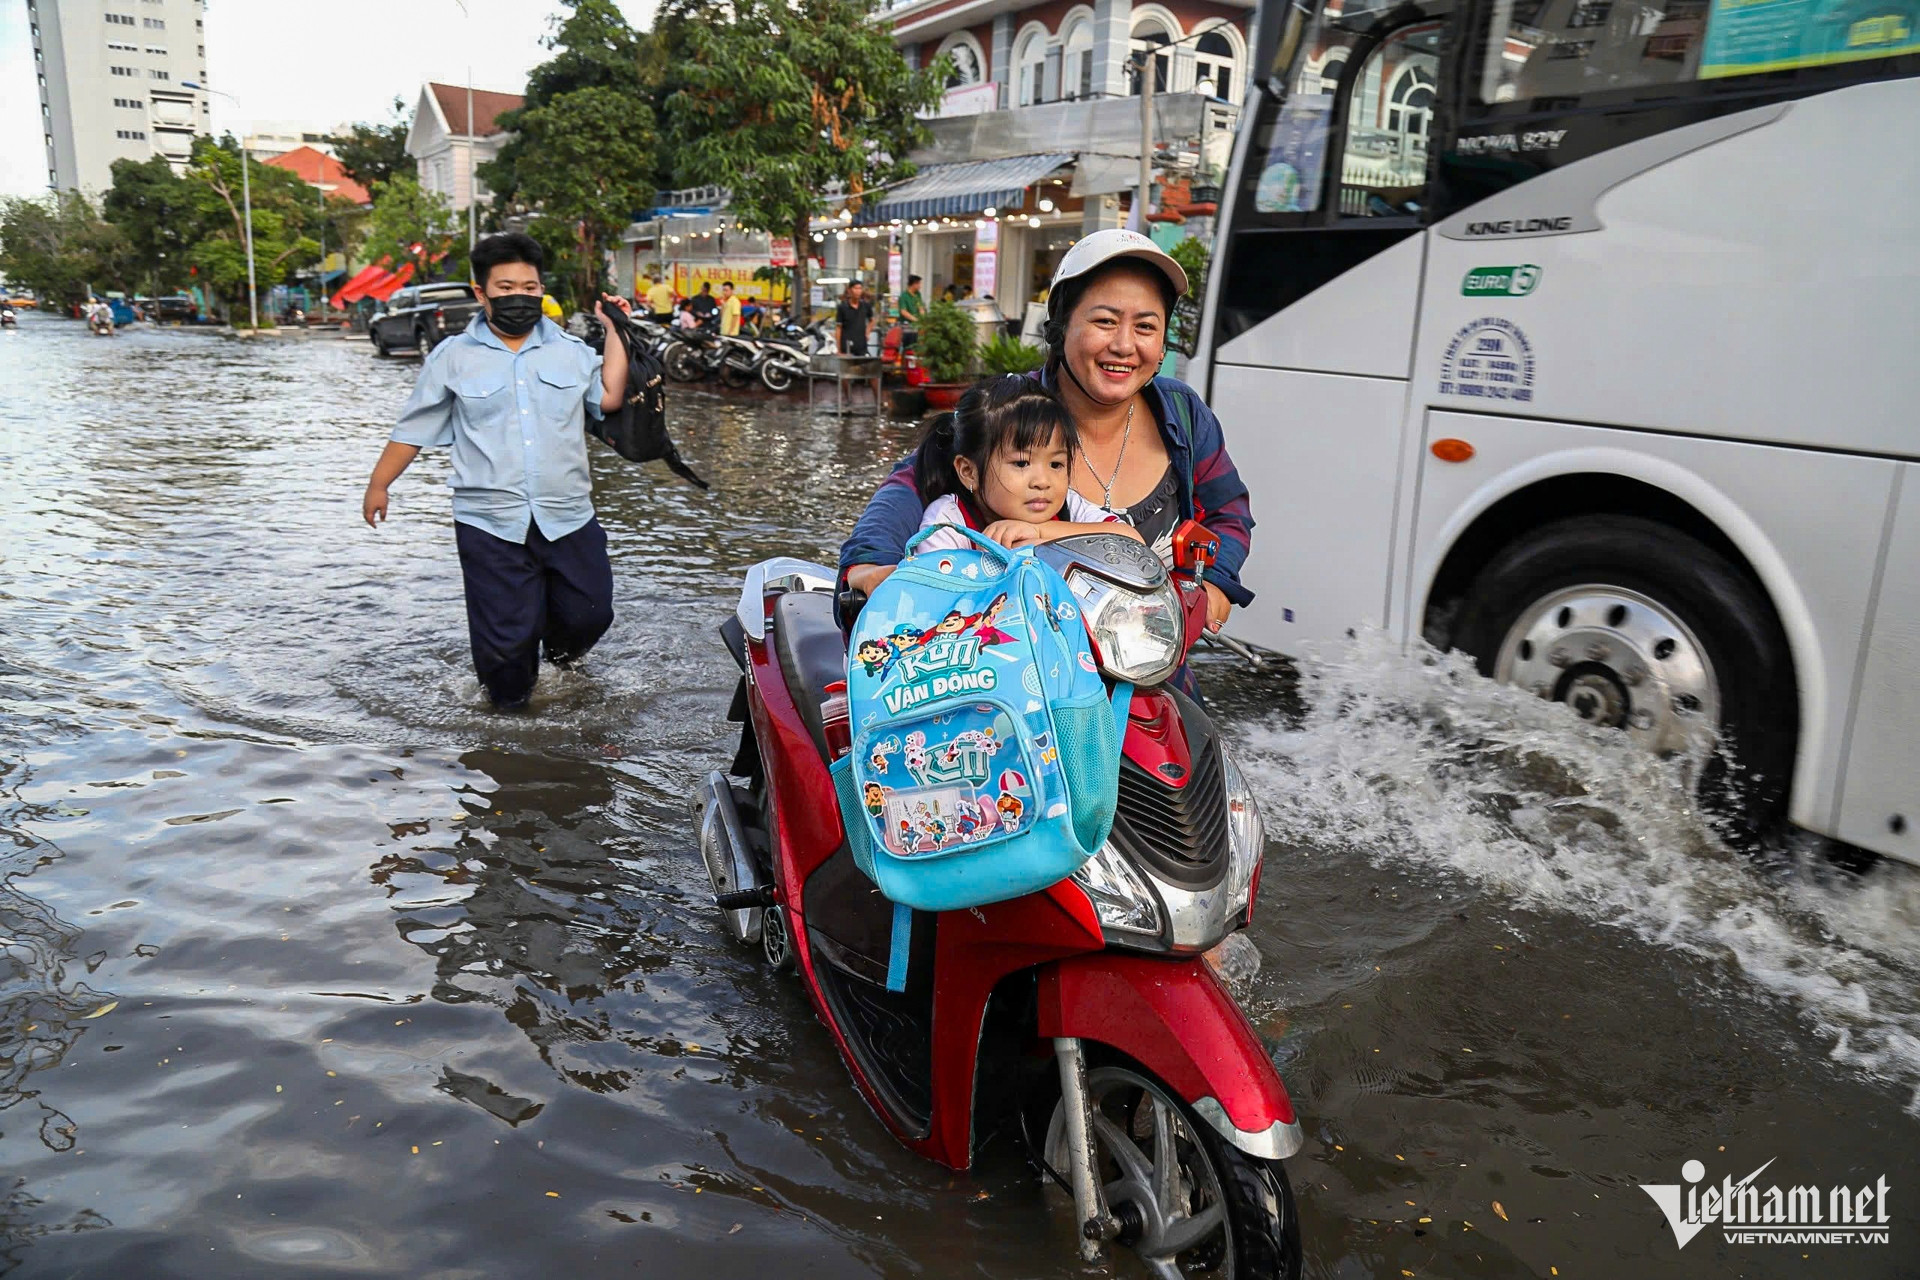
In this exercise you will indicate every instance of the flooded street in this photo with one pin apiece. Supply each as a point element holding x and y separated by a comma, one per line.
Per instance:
<point>312,965</point>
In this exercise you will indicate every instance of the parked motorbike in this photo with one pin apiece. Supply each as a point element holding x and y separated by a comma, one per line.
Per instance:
<point>1085,1016</point>
<point>786,354</point>
<point>739,361</point>
<point>694,355</point>
<point>8,319</point>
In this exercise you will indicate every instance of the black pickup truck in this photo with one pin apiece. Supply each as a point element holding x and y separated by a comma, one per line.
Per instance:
<point>421,316</point>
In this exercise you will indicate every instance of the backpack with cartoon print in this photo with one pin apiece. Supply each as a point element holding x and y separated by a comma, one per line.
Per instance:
<point>986,756</point>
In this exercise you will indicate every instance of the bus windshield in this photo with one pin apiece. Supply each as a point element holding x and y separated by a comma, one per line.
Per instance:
<point>1335,66</point>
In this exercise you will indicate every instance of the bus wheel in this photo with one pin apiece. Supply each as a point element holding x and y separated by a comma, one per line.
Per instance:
<point>1637,626</point>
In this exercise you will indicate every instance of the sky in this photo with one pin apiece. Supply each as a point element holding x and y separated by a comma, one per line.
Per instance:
<point>307,63</point>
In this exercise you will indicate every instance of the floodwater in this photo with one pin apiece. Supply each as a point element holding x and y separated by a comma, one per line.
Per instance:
<point>312,966</point>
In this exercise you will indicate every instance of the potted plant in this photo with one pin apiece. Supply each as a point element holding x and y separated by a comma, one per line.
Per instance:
<point>946,348</point>
<point>1010,355</point>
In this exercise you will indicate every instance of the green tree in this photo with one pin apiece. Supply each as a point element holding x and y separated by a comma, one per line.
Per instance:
<point>782,100</point>
<point>579,162</point>
<point>285,213</point>
<point>376,152</point>
<point>593,48</point>
<point>60,247</point>
<point>587,168</point>
<point>404,216</point>
<point>160,214</point>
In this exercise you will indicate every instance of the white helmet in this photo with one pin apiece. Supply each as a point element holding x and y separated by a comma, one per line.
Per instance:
<point>1104,246</point>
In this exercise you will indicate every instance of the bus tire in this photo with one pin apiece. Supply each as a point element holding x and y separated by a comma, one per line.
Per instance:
<point>1635,624</point>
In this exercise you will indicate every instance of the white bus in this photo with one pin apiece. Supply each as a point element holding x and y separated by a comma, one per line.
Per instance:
<point>1584,336</point>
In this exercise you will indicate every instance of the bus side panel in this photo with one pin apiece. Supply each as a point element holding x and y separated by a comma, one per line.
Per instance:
<point>1880,804</point>
<point>1811,525</point>
<point>1759,288</point>
<point>1319,454</point>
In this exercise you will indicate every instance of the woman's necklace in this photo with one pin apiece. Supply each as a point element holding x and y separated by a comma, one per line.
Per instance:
<point>1106,486</point>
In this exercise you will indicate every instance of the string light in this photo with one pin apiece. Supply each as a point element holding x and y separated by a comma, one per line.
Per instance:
<point>1046,206</point>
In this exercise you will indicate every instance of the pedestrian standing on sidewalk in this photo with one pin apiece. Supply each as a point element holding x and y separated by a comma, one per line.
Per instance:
<point>854,317</point>
<point>509,396</point>
<point>912,305</point>
<point>729,311</point>
<point>660,301</point>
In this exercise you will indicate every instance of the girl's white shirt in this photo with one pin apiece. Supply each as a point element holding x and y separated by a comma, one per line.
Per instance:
<point>946,511</point>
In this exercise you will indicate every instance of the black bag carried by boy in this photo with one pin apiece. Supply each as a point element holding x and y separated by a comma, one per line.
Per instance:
<point>637,430</point>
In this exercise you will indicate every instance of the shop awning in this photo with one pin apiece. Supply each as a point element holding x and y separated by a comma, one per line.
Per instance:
<point>946,189</point>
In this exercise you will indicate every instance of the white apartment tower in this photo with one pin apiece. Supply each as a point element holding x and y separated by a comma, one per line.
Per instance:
<point>111,76</point>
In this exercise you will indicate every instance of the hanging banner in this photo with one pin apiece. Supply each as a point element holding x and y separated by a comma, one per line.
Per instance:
<point>985,262</point>
<point>782,247</point>
<point>893,272</point>
<point>987,234</point>
<point>1747,37</point>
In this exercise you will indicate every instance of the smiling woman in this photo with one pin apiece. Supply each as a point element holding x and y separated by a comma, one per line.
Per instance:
<point>1149,450</point>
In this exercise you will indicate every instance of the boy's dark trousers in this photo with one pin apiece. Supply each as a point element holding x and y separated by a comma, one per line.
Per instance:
<point>522,597</point>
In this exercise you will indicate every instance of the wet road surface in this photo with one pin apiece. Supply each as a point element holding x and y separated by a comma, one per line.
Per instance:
<point>310,965</point>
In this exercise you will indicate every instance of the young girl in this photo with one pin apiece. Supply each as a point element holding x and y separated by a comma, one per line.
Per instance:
<point>998,464</point>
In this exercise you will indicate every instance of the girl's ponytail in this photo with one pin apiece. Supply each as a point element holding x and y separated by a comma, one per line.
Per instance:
<point>933,473</point>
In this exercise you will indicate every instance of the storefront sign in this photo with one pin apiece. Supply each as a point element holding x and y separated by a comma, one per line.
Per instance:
<point>689,276</point>
<point>782,250</point>
<point>893,272</point>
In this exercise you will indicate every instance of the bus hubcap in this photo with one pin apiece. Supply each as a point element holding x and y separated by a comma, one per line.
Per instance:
<point>1618,659</point>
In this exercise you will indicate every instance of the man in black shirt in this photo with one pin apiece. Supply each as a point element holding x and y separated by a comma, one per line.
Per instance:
<point>703,306</point>
<point>854,316</point>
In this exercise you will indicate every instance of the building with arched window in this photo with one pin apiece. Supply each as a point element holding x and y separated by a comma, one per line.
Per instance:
<point>1037,140</point>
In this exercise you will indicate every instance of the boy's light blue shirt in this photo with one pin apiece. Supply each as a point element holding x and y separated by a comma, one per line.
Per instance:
<point>515,422</point>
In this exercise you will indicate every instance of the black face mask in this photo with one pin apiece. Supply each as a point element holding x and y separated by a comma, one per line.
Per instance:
<point>514,314</point>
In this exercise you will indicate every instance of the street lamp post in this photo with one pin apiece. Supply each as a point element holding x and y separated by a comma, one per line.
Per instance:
<point>246,205</point>
<point>472,198</point>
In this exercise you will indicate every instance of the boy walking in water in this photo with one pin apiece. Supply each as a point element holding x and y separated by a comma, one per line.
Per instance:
<point>509,396</point>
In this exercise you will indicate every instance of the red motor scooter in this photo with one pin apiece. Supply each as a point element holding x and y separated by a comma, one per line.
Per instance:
<point>1087,1010</point>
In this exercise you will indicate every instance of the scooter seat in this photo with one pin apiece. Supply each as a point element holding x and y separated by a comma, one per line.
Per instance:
<point>812,654</point>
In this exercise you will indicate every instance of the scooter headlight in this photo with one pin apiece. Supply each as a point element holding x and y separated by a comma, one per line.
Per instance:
<point>1246,837</point>
<point>1139,633</point>
<point>1121,898</point>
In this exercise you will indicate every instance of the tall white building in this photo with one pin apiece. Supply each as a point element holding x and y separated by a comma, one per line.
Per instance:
<point>111,75</point>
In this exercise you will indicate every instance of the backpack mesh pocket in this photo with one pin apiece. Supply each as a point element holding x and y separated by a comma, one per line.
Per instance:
<point>853,815</point>
<point>1090,759</point>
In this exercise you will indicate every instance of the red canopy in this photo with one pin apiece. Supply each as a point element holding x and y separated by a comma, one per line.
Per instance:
<point>356,288</point>
<point>381,290</point>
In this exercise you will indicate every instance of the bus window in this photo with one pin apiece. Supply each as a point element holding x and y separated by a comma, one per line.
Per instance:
<point>1571,48</point>
<point>1383,167</point>
<point>1560,51</point>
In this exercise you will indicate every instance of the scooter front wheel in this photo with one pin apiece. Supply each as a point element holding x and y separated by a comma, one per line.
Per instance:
<point>1188,1203</point>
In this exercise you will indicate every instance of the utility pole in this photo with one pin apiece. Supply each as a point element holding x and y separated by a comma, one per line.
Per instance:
<point>246,203</point>
<point>472,195</point>
<point>1140,199</point>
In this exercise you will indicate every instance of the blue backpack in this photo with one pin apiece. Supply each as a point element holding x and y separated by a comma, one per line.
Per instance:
<point>986,755</point>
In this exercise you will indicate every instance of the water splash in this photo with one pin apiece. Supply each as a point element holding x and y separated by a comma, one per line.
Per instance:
<point>1413,758</point>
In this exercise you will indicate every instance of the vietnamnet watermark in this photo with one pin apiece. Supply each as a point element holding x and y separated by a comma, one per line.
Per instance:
<point>1746,1214</point>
